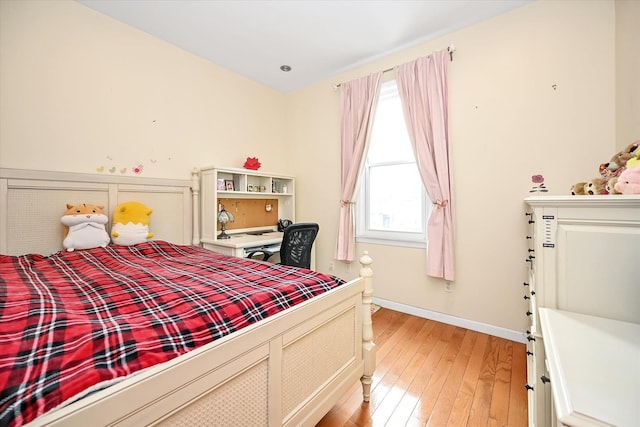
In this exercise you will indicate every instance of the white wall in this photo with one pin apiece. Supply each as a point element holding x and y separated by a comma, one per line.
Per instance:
<point>80,90</point>
<point>627,72</point>
<point>531,92</point>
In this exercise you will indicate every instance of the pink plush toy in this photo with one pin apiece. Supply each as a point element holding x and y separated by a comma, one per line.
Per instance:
<point>629,181</point>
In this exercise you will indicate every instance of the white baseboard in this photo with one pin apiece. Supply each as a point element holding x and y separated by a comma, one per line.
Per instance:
<point>496,331</point>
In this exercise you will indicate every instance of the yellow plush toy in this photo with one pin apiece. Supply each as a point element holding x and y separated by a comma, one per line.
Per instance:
<point>131,224</point>
<point>634,161</point>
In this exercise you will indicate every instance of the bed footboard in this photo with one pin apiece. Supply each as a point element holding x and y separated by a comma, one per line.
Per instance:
<point>368,346</point>
<point>288,370</point>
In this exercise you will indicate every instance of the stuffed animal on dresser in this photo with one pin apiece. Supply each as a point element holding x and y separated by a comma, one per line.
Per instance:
<point>611,186</point>
<point>131,224</point>
<point>610,172</point>
<point>84,227</point>
<point>577,189</point>
<point>634,161</point>
<point>629,181</point>
<point>618,162</point>
<point>595,186</point>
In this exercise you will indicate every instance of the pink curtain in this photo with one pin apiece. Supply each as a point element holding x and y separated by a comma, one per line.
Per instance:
<point>357,102</point>
<point>423,90</point>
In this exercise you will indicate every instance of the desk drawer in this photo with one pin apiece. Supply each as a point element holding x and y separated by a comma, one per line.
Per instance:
<point>221,249</point>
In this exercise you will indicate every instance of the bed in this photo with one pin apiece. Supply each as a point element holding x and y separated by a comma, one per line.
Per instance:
<point>287,368</point>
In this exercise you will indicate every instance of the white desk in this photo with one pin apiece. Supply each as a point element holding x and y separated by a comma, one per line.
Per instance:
<point>594,365</point>
<point>240,244</point>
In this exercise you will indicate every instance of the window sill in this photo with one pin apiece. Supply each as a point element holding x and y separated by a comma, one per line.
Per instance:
<point>386,242</point>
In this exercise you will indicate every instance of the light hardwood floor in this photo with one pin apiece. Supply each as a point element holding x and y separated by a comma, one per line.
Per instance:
<point>433,374</point>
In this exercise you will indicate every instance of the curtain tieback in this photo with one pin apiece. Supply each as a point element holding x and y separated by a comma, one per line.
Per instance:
<point>441,203</point>
<point>345,203</point>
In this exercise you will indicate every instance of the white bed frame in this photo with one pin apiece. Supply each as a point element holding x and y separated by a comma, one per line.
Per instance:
<point>289,369</point>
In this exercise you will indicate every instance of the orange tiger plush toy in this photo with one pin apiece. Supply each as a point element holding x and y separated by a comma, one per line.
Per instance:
<point>85,227</point>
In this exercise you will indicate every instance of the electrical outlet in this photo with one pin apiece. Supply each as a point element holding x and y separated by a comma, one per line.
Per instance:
<point>448,286</point>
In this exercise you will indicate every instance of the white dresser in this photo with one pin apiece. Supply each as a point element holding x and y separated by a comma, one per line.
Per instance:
<point>594,364</point>
<point>584,257</point>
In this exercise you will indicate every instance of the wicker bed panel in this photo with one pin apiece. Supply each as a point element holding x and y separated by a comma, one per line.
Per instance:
<point>167,220</point>
<point>227,405</point>
<point>29,223</point>
<point>313,360</point>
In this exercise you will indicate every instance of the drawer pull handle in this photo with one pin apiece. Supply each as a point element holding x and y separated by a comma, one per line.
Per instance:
<point>529,237</point>
<point>525,284</point>
<point>533,292</point>
<point>528,313</point>
<point>531,250</point>
<point>545,379</point>
<point>530,338</point>
<point>527,297</point>
<point>529,353</point>
<point>528,387</point>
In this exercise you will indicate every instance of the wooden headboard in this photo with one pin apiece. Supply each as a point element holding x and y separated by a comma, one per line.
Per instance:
<point>32,203</point>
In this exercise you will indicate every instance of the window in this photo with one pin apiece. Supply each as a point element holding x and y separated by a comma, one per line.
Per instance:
<point>392,204</point>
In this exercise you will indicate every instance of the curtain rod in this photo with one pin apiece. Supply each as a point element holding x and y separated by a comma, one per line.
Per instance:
<point>451,48</point>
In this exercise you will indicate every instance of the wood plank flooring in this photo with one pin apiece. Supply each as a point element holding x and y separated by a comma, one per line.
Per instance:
<point>433,374</point>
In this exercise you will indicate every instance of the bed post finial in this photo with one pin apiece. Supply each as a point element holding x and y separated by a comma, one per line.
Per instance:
<point>368,346</point>
<point>195,194</point>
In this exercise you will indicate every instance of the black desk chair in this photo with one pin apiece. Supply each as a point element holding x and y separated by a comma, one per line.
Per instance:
<point>295,249</point>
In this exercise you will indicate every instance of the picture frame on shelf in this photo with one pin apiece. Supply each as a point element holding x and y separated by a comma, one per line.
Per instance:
<point>229,185</point>
<point>221,184</point>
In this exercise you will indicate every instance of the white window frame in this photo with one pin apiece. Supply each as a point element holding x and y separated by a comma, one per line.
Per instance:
<point>365,234</point>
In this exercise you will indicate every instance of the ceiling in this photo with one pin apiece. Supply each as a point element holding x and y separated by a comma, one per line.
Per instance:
<point>318,39</point>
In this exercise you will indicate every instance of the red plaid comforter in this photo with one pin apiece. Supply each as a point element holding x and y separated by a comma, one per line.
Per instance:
<point>73,320</point>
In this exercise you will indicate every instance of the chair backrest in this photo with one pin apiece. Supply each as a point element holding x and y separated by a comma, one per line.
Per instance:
<point>297,242</point>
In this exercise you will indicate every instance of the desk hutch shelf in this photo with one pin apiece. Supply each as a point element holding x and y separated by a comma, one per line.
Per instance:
<point>244,188</point>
